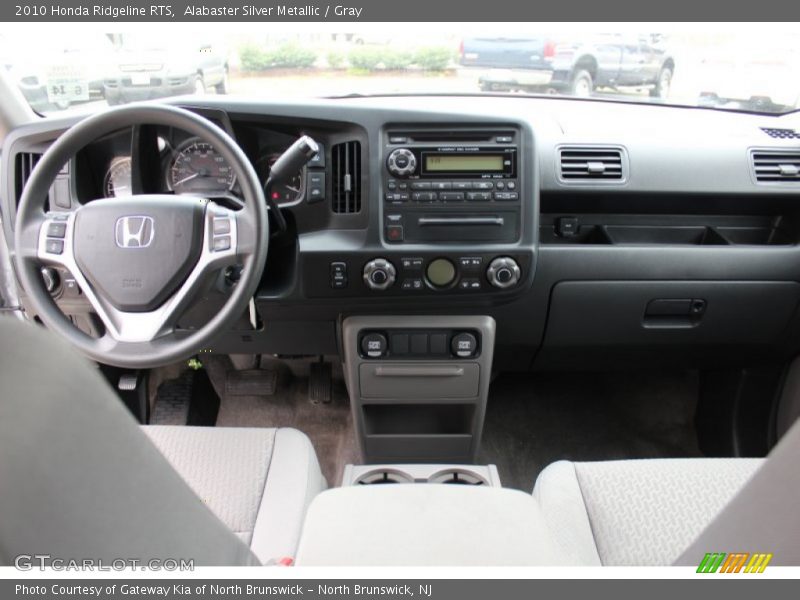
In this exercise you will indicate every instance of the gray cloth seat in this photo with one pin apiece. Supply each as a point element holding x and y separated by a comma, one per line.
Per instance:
<point>80,478</point>
<point>636,512</point>
<point>257,481</point>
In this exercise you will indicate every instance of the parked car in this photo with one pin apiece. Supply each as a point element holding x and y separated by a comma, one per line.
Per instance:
<point>578,66</point>
<point>61,73</point>
<point>148,68</point>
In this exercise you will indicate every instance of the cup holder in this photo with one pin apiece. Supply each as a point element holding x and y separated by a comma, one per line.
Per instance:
<point>382,476</point>
<point>457,477</point>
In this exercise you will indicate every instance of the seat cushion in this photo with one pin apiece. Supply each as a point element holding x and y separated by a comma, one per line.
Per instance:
<point>636,512</point>
<point>258,481</point>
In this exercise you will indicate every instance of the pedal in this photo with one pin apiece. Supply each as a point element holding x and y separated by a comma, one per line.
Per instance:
<point>132,389</point>
<point>256,382</point>
<point>320,383</point>
<point>172,401</point>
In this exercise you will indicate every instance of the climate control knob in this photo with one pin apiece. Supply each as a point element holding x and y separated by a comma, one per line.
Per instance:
<point>503,272</point>
<point>379,274</point>
<point>401,162</point>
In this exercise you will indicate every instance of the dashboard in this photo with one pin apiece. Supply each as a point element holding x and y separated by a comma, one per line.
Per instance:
<point>594,233</point>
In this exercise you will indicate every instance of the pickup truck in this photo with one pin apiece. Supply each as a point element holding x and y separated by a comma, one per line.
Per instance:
<point>576,67</point>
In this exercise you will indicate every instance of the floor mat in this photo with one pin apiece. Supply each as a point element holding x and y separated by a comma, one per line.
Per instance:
<point>532,421</point>
<point>329,425</point>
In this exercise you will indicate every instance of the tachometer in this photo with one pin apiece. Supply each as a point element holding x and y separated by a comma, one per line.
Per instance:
<point>117,181</point>
<point>199,169</point>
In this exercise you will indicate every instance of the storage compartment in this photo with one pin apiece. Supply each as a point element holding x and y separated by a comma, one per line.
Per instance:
<point>418,418</point>
<point>423,448</point>
<point>412,380</point>
<point>694,235</point>
<point>668,230</point>
<point>610,314</point>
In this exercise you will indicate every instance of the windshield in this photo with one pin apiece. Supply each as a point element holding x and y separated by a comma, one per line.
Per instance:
<point>754,69</point>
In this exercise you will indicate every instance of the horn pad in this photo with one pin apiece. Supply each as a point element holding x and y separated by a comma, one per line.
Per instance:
<point>136,253</point>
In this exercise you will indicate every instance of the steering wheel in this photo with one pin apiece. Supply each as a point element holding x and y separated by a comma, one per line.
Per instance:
<point>140,260</point>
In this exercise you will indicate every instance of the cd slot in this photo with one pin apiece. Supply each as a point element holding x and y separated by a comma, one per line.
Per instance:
<point>460,221</point>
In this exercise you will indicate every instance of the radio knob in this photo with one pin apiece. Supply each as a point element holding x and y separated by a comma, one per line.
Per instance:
<point>379,274</point>
<point>503,272</point>
<point>401,162</point>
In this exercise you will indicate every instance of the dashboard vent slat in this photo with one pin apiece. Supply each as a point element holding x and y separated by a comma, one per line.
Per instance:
<point>23,167</point>
<point>591,164</point>
<point>781,134</point>
<point>776,166</point>
<point>346,171</point>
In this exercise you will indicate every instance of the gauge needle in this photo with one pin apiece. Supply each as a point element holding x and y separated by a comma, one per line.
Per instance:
<point>185,179</point>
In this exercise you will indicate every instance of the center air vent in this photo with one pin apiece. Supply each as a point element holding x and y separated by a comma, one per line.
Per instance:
<point>23,167</point>
<point>346,168</point>
<point>776,166</point>
<point>592,164</point>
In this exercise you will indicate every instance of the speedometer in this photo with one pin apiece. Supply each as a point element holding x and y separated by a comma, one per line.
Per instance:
<point>199,169</point>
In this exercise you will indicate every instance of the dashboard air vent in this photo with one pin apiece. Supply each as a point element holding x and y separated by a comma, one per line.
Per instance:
<point>781,134</point>
<point>346,170</point>
<point>23,167</point>
<point>593,164</point>
<point>776,166</point>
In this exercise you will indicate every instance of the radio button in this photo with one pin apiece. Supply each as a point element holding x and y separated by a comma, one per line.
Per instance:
<point>442,185</point>
<point>483,185</point>
<point>479,195</point>
<point>391,186</point>
<point>512,185</point>
<point>411,263</point>
<point>501,185</point>
<point>506,196</point>
<point>424,196</point>
<point>451,196</point>
<point>462,185</point>
<point>504,139</point>
<point>420,185</point>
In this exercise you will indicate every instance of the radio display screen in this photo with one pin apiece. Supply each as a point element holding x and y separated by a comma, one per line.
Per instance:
<point>454,163</point>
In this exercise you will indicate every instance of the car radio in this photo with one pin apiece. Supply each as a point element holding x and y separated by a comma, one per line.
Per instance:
<point>445,186</point>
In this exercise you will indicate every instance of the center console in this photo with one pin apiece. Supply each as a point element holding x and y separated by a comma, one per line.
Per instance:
<point>418,385</point>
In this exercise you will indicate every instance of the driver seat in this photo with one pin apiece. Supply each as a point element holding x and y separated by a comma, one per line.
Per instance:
<point>219,496</point>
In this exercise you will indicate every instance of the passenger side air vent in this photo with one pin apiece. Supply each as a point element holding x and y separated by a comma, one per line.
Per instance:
<point>591,164</point>
<point>776,166</point>
<point>781,134</point>
<point>346,170</point>
<point>23,167</point>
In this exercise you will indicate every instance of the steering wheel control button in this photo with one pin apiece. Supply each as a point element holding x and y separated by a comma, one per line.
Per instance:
<point>374,345</point>
<point>222,243</point>
<point>464,345</point>
<point>441,272</point>
<point>503,272</point>
<point>54,246</point>
<point>401,162</point>
<point>379,274</point>
<point>57,230</point>
<point>71,288</point>
<point>222,226</point>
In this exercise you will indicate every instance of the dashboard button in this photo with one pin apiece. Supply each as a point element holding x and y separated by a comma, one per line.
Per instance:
<point>451,196</point>
<point>394,233</point>
<point>419,343</point>
<point>439,343</point>
<point>470,263</point>
<point>399,343</point>
<point>373,345</point>
<point>464,345</point>
<point>411,263</point>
